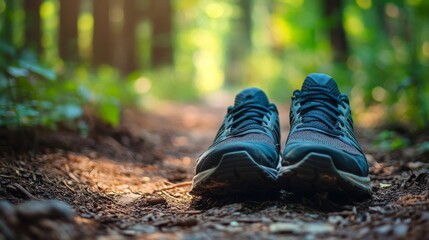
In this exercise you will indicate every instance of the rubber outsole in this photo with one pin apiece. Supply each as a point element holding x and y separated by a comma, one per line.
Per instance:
<point>317,173</point>
<point>237,172</point>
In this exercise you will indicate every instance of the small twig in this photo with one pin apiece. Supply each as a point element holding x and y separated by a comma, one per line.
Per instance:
<point>185,212</point>
<point>169,195</point>
<point>92,172</point>
<point>6,176</point>
<point>177,185</point>
<point>72,176</point>
<point>46,176</point>
<point>17,187</point>
<point>417,203</point>
<point>192,212</point>
<point>166,182</point>
<point>70,188</point>
<point>67,168</point>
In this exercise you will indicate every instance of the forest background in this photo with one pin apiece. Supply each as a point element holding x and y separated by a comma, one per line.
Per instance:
<point>61,60</point>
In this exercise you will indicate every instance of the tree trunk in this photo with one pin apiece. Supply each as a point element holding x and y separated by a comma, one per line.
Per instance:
<point>102,35</point>
<point>246,22</point>
<point>162,36</point>
<point>239,45</point>
<point>7,30</point>
<point>68,32</point>
<point>333,10</point>
<point>129,56</point>
<point>33,36</point>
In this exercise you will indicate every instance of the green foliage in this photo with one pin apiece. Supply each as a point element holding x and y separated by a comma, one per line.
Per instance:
<point>386,66</point>
<point>391,140</point>
<point>389,63</point>
<point>33,95</point>
<point>23,82</point>
<point>104,91</point>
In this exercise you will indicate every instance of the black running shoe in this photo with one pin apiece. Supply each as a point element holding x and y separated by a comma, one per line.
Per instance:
<point>244,157</point>
<point>322,153</point>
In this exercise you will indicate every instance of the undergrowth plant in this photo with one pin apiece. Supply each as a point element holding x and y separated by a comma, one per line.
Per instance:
<point>32,95</point>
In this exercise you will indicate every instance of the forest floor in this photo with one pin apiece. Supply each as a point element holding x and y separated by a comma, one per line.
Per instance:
<point>133,183</point>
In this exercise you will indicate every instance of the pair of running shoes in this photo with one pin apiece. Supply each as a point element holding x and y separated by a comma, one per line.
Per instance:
<point>321,154</point>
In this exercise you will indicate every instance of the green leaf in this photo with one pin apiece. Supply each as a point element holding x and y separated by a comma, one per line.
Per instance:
<point>17,72</point>
<point>26,111</point>
<point>44,72</point>
<point>109,112</point>
<point>72,111</point>
<point>85,93</point>
<point>391,140</point>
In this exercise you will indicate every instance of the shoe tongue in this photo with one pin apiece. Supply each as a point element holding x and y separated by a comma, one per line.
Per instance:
<point>251,94</point>
<point>320,80</point>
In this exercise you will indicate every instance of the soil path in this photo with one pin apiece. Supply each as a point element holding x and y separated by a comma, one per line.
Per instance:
<point>134,183</point>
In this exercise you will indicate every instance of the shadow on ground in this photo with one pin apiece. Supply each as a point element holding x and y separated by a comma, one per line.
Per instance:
<point>135,182</point>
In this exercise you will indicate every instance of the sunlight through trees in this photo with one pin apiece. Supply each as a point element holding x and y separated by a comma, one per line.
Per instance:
<point>377,50</point>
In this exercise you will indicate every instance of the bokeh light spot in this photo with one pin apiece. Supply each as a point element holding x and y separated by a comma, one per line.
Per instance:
<point>425,49</point>
<point>364,4</point>
<point>47,9</point>
<point>142,85</point>
<point>215,10</point>
<point>391,10</point>
<point>379,93</point>
<point>354,25</point>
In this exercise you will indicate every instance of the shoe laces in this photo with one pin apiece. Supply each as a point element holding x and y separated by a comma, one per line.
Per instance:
<point>247,116</point>
<point>319,108</point>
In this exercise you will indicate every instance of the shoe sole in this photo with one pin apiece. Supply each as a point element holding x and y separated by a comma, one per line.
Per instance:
<point>237,172</point>
<point>317,173</point>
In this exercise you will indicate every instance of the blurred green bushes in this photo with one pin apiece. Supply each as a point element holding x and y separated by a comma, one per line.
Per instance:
<point>34,95</point>
<point>227,44</point>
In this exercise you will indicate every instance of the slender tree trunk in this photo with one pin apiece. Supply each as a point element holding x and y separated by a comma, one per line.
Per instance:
<point>33,36</point>
<point>382,22</point>
<point>246,22</point>
<point>162,36</point>
<point>129,57</point>
<point>68,32</point>
<point>239,45</point>
<point>333,10</point>
<point>7,30</point>
<point>102,35</point>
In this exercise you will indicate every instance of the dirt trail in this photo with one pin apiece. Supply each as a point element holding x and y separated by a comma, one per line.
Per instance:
<point>134,183</point>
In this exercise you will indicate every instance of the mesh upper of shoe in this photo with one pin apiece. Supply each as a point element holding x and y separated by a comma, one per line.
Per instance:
<point>245,129</point>
<point>303,136</point>
<point>315,82</point>
<point>251,138</point>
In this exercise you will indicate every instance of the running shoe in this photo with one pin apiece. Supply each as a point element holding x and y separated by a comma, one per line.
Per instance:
<point>244,157</point>
<point>322,153</point>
